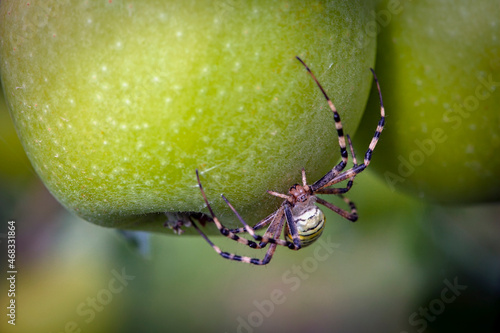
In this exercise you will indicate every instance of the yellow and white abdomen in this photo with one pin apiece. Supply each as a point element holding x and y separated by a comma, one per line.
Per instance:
<point>310,224</point>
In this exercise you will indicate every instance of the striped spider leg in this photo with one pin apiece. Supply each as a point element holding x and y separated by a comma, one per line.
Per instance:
<point>271,236</point>
<point>303,220</point>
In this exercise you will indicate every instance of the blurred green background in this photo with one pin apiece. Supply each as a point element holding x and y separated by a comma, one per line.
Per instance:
<point>405,266</point>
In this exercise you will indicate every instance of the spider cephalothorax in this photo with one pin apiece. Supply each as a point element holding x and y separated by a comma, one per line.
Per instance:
<point>299,193</point>
<point>303,219</point>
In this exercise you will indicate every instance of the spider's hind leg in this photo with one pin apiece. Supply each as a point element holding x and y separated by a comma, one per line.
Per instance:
<point>264,240</point>
<point>226,232</point>
<point>257,226</point>
<point>222,229</point>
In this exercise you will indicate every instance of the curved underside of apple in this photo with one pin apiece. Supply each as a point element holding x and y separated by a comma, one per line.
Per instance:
<point>117,104</point>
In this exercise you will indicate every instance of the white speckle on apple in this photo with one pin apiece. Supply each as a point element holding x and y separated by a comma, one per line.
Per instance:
<point>424,127</point>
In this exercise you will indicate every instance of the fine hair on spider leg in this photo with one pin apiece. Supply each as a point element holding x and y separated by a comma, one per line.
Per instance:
<point>298,216</point>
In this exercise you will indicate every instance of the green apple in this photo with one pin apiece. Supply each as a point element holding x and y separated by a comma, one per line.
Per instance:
<point>117,104</point>
<point>439,66</point>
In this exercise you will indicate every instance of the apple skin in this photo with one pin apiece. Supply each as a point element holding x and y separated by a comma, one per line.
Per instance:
<point>117,104</point>
<point>438,63</point>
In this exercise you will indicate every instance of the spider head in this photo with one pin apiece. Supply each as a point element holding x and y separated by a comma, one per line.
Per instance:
<point>300,193</point>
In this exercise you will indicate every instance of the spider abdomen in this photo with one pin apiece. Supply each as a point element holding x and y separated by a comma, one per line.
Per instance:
<point>310,224</point>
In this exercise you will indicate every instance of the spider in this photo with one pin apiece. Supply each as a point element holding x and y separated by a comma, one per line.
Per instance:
<point>303,220</point>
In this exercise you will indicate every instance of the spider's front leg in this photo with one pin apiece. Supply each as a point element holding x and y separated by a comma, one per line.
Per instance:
<point>331,178</point>
<point>342,190</point>
<point>340,133</point>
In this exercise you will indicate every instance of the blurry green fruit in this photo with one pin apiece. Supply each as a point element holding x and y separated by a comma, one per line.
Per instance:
<point>439,66</point>
<point>15,166</point>
<point>116,104</point>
